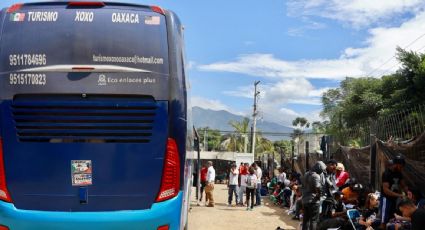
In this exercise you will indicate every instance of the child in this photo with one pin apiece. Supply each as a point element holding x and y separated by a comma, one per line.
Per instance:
<point>368,218</point>
<point>251,185</point>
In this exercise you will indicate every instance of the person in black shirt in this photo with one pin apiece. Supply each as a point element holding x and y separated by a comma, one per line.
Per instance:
<point>368,216</point>
<point>417,215</point>
<point>393,187</point>
<point>335,216</point>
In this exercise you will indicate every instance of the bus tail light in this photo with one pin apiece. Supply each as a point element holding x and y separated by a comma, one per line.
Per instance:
<point>4,193</point>
<point>2,227</point>
<point>170,182</point>
<point>164,227</point>
<point>157,9</point>
<point>14,7</point>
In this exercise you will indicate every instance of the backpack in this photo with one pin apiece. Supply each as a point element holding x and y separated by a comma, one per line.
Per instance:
<point>250,181</point>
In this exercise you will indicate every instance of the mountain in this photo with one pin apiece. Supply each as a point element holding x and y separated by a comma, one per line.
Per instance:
<point>220,120</point>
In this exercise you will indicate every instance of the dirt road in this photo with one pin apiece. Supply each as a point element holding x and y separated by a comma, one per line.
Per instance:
<point>222,217</point>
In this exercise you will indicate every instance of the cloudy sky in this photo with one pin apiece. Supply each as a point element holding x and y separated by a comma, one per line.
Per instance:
<point>297,49</point>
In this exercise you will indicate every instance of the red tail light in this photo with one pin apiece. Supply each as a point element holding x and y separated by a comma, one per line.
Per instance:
<point>164,227</point>
<point>15,7</point>
<point>4,193</point>
<point>170,183</point>
<point>82,4</point>
<point>157,9</point>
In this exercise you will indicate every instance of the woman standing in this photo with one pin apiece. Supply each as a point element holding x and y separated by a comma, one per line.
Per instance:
<point>251,185</point>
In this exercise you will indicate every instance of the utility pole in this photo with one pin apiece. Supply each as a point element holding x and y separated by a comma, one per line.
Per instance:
<point>254,116</point>
<point>205,140</point>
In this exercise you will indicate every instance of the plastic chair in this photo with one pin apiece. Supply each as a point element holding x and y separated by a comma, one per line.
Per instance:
<point>353,217</point>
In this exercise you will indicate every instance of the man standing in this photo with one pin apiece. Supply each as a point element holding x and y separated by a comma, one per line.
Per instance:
<point>258,173</point>
<point>209,189</point>
<point>233,182</point>
<point>392,188</point>
<point>313,182</point>
<point>329,187</point>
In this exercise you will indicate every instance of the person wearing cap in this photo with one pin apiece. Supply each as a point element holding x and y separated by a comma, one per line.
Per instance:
<point>392,189</point>
<point>341,175</point>
<point>233,183</point>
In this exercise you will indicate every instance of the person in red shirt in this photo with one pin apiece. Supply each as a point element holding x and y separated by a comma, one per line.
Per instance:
<point>204,171</point>
<point>341,175</point>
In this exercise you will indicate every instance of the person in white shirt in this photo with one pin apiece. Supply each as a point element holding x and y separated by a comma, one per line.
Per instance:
<point>209,189</point>
<point>258,173</point>
<point>282,176</point>
<point>243,172</point>
<point>233,183</point>
<point>251,184</point>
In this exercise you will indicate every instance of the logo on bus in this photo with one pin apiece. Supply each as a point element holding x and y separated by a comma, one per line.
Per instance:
<point>102,80</point>
<point>17,17</point>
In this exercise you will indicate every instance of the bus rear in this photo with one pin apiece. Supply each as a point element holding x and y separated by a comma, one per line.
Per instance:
<point>92,117</point>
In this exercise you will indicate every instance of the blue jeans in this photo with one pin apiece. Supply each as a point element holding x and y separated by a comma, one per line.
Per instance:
<point>232,189</point>
<point>258,194</point>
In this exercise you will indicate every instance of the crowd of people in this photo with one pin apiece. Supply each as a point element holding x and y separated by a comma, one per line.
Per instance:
<point>321,198</point>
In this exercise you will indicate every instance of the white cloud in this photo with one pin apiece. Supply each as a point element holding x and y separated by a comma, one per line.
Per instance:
<point>286,91</point>
<point>353,62</point>
<point>357,13</point>
<point>308,25</point>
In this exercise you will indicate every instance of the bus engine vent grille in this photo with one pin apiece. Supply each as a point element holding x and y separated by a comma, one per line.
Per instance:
<point>84,118</point>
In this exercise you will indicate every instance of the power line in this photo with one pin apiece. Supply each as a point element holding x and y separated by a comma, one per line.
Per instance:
<point>411,43</point>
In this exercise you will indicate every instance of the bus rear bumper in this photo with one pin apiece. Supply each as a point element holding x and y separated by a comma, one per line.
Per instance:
<point>163,213</point>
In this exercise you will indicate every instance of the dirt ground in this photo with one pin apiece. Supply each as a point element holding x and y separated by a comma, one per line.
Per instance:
<point>221,217</point>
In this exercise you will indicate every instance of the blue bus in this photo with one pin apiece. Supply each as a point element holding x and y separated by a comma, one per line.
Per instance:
<point>93,117</point>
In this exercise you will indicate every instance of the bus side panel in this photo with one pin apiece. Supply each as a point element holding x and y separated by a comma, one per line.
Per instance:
<point>178,107</point>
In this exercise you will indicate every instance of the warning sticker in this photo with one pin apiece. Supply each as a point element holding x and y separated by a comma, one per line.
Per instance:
<point>81,172</point>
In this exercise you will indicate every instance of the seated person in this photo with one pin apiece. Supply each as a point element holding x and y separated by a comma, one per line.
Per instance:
<point>402,222</point>
<point>335,216</point>
<point>276,195</point>
<point>351,193</point>
<point>368,215</point>
<point>341,175</point>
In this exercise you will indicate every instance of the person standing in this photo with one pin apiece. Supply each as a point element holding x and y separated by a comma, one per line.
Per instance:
<point>209,189</point>
<point>329,187</point>
<point>392,189</point>
<point>233,182</point>
<point>251,184</point>
<point>242,185</point>
<point>204,171</point>
<point>258,173</point>
<point>313,182</point>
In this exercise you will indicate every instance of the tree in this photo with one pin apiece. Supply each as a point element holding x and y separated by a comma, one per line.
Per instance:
<point>214,138</point>
<point>300,123</point>
<point>239,139</point>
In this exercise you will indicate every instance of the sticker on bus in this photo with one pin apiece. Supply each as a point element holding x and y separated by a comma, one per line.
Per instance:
<point>82,179</point>
<point>81,172</point>
<point>81,166</point>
